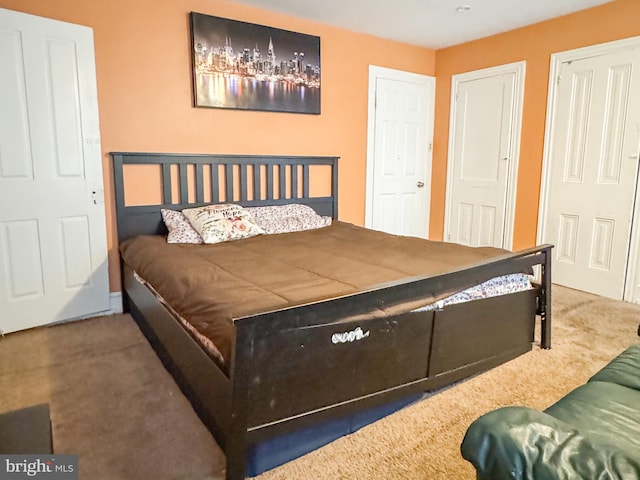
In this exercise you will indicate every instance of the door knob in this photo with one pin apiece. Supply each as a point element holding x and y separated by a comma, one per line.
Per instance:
<point>420,184</point>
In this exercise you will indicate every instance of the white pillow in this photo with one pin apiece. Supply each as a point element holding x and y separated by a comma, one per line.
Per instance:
<point>294,217</point>
<point>222,222</point>
<point>180,230</point>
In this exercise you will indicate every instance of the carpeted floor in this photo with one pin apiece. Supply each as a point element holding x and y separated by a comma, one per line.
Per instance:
<point>114,405</point>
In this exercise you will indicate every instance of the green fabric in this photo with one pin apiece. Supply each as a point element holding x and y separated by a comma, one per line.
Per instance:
<point>591,433</point>
<point>623,370</point>
<point>524,444</point>
<point>603,411</point>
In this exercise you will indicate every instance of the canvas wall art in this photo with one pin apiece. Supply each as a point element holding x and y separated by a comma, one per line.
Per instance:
<point>245,66</point>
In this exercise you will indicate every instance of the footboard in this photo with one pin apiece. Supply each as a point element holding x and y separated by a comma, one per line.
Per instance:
<point>468,338</point>
<point>311,368</point>
<point>300,366</point>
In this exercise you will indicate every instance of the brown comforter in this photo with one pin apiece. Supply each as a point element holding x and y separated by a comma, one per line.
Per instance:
<point>209,285</point>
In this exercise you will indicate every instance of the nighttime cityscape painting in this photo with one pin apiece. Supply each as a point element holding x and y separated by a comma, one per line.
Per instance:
<point>246,66</point>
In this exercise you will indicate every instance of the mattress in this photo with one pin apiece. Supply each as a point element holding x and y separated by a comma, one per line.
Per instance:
<point>208,286</point>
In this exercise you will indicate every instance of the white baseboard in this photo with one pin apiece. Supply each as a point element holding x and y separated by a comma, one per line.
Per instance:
<point>116,303</point>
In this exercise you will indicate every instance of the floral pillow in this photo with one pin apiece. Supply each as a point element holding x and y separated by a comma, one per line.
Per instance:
<point>222,222</point>
<point>180,230</point>
<point>288,218</point>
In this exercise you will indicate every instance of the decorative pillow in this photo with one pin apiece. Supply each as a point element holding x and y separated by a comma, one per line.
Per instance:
<point>288,218</point>
<point>222,222</point>
<point>180,230</point>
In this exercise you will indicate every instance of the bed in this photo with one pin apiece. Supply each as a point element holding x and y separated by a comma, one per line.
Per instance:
<point>278,377</point>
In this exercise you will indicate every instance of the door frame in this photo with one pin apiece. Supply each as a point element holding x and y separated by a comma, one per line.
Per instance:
<point>429,82</point>
<point>518,69</point>
<point>631,292</point>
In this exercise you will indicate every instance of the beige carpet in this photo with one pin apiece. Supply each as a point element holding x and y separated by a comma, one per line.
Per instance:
<point>111,401</point>
<point>114,405</point>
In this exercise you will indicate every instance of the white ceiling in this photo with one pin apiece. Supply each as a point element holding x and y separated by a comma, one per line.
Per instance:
<point>428,23</point>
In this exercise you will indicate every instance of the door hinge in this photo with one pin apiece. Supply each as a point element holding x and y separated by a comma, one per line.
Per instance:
<point>558,79</point>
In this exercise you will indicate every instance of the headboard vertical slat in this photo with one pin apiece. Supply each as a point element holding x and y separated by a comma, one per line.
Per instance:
<point>199,183</point>
<point>294,181</point>
<point>270,169</point>
<point>282,174</point>
<point>167,194</point>
<point>244,182</point>
<point>257,181</point>
<point>305,180</point>
<point>229,190</point>
<point>215,184</point>
<point>184,185</point>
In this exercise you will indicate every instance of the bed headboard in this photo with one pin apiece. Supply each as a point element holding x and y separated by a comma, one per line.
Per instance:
<point>249,180</point>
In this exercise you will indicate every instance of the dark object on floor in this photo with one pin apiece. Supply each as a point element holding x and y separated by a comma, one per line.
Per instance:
<point>592,432</point>
<point>26,431</point>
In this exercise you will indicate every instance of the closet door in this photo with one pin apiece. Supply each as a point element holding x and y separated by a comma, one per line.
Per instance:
<point>486,112</point>
<point>592,175</point>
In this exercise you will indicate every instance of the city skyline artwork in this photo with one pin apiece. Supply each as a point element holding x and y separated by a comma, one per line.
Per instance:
<point>246,66</point>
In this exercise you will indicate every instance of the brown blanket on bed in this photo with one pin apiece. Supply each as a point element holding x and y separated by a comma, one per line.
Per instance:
<point>210,285</point>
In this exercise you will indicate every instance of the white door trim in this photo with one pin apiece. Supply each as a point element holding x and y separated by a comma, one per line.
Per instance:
<point>518,69</point>
<point>376,72</point>
<point>631,290</point>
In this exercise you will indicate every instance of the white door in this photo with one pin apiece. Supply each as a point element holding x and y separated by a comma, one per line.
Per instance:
<point>483,151</point>
<point>593,171</point>
<point>400,168</point>
<point>53,254</point>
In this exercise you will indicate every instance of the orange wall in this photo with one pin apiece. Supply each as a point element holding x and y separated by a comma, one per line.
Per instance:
<point>144,91</point>
<point>143,63</point>
<point>534,44</point>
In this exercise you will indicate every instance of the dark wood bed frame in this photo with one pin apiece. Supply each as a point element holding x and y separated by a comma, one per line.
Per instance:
<point>285,373</point>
